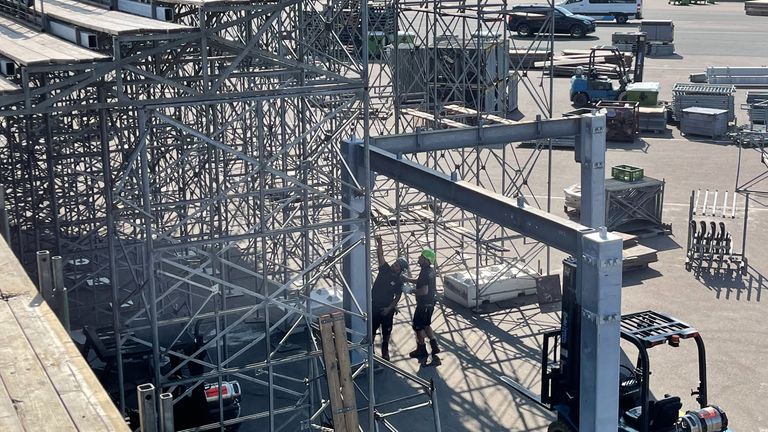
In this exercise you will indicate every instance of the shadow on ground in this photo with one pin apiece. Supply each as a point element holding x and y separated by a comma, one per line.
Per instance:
<point>477,350</point>
<point>729,286</point>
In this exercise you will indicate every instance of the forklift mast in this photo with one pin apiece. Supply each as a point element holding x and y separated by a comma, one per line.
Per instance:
<point>640,44</point>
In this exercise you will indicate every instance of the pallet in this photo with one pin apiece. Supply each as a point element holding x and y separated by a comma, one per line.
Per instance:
<point>653,232</point>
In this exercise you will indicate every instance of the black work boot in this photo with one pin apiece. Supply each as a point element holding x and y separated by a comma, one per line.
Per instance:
<point>385,351</point>
<point>433,345</point>
<point>419,352</point>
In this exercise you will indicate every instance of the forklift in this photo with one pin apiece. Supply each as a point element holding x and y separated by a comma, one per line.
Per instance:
<point>589,87</point>
<point>638,412</point>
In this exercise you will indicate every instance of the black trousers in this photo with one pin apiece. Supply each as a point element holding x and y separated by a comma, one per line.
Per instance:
<point>383,321</point>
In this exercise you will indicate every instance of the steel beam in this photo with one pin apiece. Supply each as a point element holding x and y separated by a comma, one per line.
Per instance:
<point>451,139</point>
<point>560,233</point>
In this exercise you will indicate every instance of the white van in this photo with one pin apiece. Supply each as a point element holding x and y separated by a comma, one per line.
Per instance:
<point>620,10</point>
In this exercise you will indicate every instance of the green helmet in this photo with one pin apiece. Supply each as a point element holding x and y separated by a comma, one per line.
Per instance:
<point>430,255</point>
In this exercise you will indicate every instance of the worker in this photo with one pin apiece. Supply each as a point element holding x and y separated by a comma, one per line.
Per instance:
<point>425,293</point>
<point>386,293</point>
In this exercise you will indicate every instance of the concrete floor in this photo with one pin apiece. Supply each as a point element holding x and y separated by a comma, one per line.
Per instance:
<point>730,314</point>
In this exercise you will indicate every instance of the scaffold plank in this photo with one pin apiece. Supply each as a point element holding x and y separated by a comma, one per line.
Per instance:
<point>37,404</point>
<point>209,2</point>
<point>55,357</point>
<point>28,47</point>
<point>42,374</point>
<point>9,421</point>
<point>106,21</point>
<point>7,87</point>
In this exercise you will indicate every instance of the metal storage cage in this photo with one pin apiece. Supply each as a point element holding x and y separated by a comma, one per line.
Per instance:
<point>622,120</point>
<point>717,96</point>
<point>635,206</point>
<point>704,121</point>
<point>658,30</point>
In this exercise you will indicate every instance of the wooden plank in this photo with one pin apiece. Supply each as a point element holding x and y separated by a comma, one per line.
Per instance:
<point>570,62</point>
<point>345,372</point>
<point>16,285</point>
<point>494,118</point>
<point>430,117</point>
<point>38,405</point>
<point>57,361</point>
<point>9,421</point>
<point>627,240</point>
<point>332,373</point>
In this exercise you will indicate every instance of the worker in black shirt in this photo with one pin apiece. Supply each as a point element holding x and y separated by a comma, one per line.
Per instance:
<point>426,293</point>
<point>386,293</point>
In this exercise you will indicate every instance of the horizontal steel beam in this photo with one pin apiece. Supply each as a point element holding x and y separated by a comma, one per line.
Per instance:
<point>560,233</point>
<point>451,139</point>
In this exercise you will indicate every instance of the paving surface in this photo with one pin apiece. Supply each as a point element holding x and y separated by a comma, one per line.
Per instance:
<point>730,314</point>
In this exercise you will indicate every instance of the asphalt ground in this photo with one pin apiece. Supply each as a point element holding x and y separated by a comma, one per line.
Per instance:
<point>729,313</point>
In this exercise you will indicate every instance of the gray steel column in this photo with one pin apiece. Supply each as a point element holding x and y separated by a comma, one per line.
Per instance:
<point>60,292</point>
<point>600,276</point>
<point>5,228</point>
<point>590,153</point>
<point>166,413</point>
<point>355,263</point>
<point>45,277</point>
<point>147,408</point>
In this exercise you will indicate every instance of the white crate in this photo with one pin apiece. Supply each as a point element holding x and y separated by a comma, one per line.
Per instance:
<point>497,283</point>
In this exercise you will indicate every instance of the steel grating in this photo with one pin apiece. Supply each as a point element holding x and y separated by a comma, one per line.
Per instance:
<point>694,88</point>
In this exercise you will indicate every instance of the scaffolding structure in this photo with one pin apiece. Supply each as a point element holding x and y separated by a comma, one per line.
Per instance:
<point>186,166</point>
<point>451,67</point>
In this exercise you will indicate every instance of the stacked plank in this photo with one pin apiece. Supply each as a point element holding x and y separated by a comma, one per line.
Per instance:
<point>525,57</point>
<point>635,255</point>
<point>606,63</point>
<point>756,7</point>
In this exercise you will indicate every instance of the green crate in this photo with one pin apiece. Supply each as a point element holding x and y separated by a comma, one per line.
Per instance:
<point>627,173</point>
<point>404,38</point>
<point>377,40</point>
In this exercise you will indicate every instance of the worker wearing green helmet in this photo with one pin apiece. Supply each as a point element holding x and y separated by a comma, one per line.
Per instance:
<point>425,293</point>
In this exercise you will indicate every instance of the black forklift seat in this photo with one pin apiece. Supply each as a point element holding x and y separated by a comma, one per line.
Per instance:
<point>664,413</point>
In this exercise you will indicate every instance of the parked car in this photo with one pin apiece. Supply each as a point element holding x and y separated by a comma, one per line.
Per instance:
<point>619,10</point>
<point>527,20</point>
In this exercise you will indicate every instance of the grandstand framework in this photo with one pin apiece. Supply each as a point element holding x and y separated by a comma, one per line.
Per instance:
<point>186,166</point>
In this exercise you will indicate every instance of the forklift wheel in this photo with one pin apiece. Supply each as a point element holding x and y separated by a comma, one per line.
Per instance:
<point>580,100</point>
<point>559,426</point>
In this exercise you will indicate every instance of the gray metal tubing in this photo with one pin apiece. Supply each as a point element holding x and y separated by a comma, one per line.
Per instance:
<point>476,137</point>
<point>44,276</point>
<point>147,410</point>
<point>4,224</point>
<point>166,412</point>
<point>435,408</point>
<point>60,291</point>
